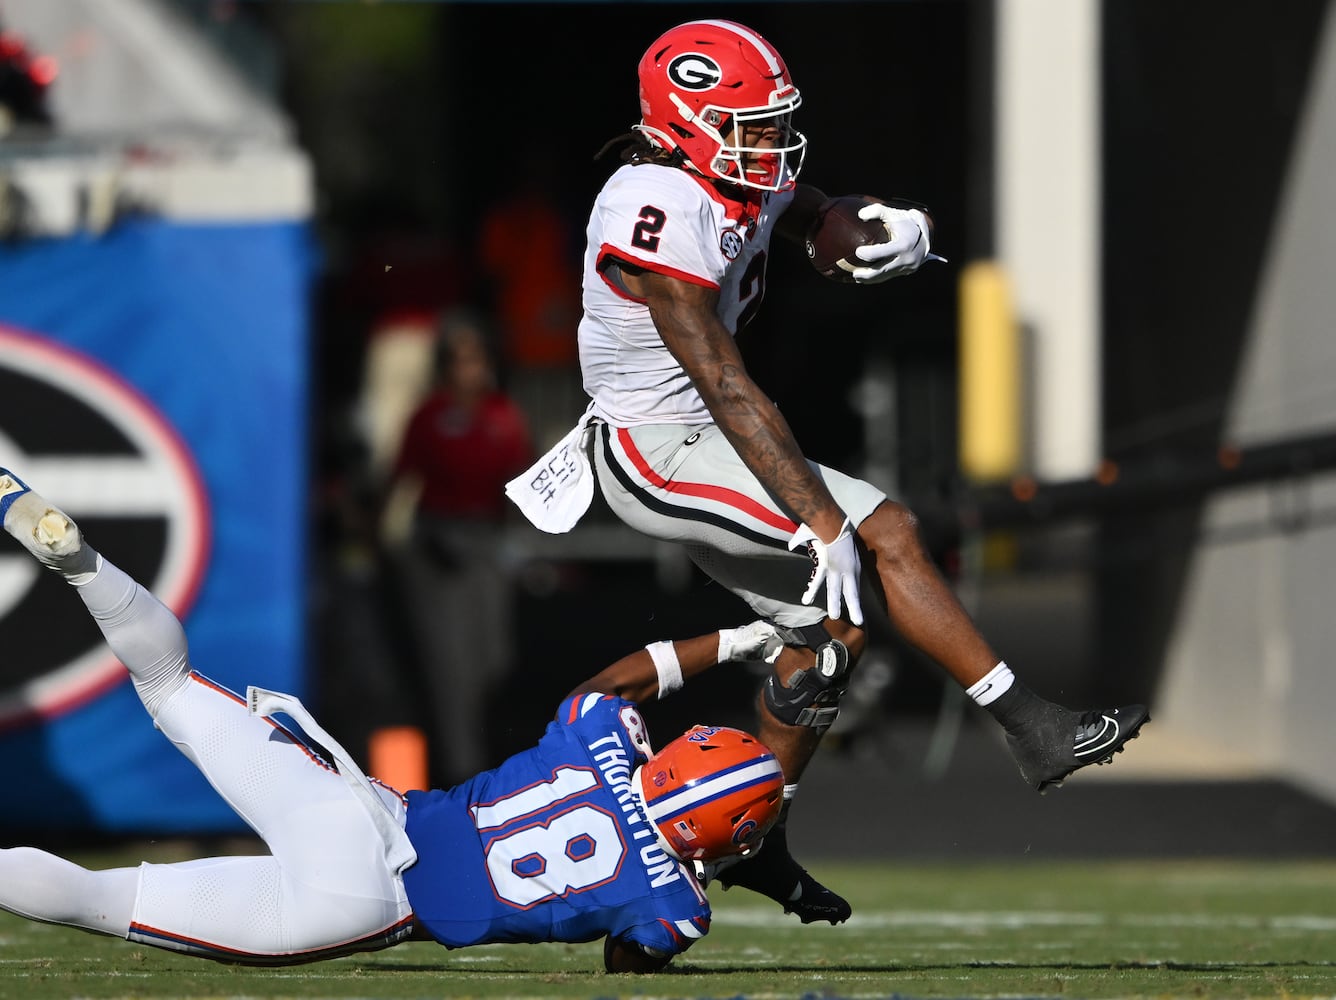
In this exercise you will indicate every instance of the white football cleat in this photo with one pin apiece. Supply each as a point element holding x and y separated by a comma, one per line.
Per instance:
<point>44,530</point>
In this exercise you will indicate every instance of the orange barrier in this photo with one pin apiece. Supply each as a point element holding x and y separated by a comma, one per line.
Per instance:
<point>397,755</point>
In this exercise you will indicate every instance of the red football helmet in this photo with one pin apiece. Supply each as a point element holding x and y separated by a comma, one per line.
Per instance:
<point>712,792</point>
<point>701,82</point>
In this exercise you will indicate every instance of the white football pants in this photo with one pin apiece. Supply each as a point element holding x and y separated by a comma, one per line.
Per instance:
<point>689,485</point>
<point>325,889</point>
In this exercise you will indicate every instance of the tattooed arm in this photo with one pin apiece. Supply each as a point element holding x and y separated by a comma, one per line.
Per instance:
<point>685,316</point>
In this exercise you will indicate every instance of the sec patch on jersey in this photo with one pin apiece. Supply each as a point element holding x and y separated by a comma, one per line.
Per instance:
<point>837,232</point>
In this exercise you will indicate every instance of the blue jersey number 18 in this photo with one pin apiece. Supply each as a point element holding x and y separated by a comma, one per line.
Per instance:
<point>563,847</point>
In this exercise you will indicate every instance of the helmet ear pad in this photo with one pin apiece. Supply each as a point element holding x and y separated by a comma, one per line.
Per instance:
<point>712,793</point>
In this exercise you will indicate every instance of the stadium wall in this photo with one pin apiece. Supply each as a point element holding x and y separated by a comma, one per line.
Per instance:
<point>1218,196</point>
<point>1248,666</point>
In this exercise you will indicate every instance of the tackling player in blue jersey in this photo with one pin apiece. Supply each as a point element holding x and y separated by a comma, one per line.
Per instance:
<point>587,835</point>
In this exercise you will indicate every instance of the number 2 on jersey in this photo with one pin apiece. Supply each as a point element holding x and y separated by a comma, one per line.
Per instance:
<point>751,286</point>
<point>646,233</point>
<point>563,849</point>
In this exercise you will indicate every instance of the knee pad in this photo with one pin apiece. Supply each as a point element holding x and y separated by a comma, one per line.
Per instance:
<point>812,696</point>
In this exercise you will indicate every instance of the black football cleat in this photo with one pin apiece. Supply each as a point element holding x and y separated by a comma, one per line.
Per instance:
<point>773,873</point>
<point>1059,741</point>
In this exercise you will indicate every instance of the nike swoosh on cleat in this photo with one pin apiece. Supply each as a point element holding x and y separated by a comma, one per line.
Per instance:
<point>1107,735</point>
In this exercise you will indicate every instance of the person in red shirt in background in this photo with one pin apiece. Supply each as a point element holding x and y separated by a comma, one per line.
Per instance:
<point>460,446</point>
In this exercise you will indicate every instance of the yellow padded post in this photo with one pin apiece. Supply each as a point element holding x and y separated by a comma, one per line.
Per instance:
<point>990,375</point>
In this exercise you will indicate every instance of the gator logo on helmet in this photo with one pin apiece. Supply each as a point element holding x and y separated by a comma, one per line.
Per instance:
<point>745,833</point>
<point>693,71</point>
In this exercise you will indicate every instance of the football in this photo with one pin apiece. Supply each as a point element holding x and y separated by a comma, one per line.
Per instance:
<point>837,232</point>
<point>619,956</point>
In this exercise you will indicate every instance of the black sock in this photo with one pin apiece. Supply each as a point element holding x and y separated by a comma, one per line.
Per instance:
<point>1017,707</point>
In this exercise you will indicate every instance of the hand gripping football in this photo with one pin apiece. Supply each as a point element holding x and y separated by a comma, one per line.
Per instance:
<point>837,232</point>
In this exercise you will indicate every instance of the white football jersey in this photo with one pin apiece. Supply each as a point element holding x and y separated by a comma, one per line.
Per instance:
<point>667,220</point>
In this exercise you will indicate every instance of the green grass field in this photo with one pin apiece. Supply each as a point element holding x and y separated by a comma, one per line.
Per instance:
<point>1031,929</point>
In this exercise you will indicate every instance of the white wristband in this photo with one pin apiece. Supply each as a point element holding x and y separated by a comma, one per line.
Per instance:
<point>664,655</point>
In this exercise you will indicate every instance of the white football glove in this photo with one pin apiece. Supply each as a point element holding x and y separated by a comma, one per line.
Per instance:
<point>757,641</point>
<point>836,564</point>
<point>907,248</point>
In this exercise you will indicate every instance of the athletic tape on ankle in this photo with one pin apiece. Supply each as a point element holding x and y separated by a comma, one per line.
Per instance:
<point>992,685</point>
<point>666,664</point>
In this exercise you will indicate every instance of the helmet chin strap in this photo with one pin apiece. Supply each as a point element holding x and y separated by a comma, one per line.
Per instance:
<point>768,173</point>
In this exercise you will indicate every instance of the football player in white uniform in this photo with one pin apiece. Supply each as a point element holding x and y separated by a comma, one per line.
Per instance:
<point>687,448</point>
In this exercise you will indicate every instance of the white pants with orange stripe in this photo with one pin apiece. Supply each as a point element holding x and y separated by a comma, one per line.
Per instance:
<point>688,485</point>
<point>324,890</point>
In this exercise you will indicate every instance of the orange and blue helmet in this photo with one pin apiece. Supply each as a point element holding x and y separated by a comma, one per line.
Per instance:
<point>711,793</point>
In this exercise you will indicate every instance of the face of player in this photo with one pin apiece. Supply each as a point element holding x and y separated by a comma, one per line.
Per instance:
<point>754,138</point>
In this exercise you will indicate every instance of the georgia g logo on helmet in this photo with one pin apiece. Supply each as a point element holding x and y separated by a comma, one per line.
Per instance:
<point>693,71</point>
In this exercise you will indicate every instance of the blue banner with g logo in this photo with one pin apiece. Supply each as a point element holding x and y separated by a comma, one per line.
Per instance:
<point>153,382</point>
